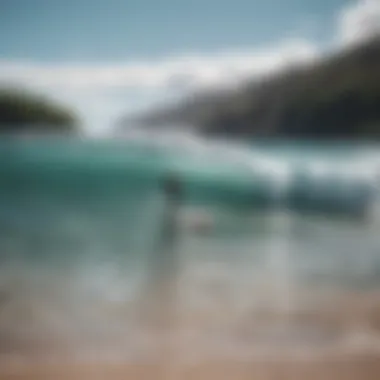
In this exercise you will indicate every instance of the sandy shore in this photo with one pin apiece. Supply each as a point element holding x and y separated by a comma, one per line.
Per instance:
<point>338,339</point>
<point>345,367</point>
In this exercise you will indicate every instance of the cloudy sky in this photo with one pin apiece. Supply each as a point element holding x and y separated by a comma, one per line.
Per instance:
<point>107,58</point>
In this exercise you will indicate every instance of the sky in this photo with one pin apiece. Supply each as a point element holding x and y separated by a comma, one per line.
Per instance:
<point>109,58</point>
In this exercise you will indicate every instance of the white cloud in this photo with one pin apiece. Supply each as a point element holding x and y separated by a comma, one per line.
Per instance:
<point>358,22</point>
<point>184,71</point>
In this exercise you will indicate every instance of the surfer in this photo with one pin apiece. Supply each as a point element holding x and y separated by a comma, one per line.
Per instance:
<point>173,194</point>
<point>164,266</point>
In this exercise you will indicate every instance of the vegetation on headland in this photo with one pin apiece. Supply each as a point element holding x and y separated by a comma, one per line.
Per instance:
<point>24,112</point>
<point>338,97</point>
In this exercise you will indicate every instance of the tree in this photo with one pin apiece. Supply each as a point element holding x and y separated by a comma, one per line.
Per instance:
<point>24,112</point>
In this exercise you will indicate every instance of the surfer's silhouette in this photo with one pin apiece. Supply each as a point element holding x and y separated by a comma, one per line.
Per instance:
<point>165,263</point>
<point>173,196</point>
<point>164,267</point>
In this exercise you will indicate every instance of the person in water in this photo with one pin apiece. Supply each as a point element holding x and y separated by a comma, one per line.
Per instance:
<point>165,265</point>
<point>174,219</point>
<point>173,197</point>
<point>162,283</point>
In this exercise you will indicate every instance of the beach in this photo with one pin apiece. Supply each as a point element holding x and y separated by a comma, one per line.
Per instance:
<point>339,341</point>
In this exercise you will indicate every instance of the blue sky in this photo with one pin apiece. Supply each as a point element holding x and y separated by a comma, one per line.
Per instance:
<point>80,48</point>
<point>100,30</point>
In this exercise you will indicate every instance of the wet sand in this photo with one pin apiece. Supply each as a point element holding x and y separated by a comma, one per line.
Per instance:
<point>253,348</point>
<point>347,367</point>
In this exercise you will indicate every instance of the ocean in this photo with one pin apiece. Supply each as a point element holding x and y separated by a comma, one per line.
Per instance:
<point>293,231</point>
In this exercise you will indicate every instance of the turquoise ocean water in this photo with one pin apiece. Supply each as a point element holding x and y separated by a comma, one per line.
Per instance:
<point>80,224</point>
